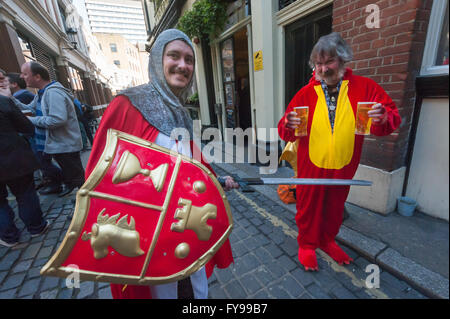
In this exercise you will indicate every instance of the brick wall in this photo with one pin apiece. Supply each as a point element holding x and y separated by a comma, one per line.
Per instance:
<point>391,55</point>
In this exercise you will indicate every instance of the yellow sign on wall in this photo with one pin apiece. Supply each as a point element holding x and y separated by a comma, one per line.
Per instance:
<point>258,60</point>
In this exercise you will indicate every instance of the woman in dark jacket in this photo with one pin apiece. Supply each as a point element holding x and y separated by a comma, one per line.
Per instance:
<point>17,164</point>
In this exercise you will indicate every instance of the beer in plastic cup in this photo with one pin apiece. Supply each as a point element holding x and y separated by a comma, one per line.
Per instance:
<point>363,121</point>
<point>302,113</point>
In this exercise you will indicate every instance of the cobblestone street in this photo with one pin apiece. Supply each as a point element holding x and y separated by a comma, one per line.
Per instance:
<point>264,248</point>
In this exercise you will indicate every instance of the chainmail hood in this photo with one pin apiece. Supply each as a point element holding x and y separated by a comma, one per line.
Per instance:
<point>155,100</point>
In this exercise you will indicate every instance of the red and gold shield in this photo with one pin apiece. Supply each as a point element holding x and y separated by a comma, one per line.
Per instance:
<point>145,215</point>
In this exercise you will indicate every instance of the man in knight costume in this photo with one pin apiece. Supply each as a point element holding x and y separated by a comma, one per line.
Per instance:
<point>151,112</point>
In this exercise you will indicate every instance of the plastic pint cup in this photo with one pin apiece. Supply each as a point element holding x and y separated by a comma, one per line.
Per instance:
<point>363,121</point>
<point>302,114</point>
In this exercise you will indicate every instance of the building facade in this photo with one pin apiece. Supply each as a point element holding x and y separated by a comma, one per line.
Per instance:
<point>49,31</point>
<point>402,45</point>
<point>121,53</point>
<point>125,18</point>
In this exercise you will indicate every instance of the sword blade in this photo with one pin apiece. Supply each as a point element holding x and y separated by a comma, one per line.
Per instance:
<point>305,181</point>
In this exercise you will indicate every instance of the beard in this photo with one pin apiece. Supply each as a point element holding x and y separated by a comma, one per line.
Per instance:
<point>331,77</point>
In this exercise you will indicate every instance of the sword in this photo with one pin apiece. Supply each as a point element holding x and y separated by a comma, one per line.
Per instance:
<point>245,182</point>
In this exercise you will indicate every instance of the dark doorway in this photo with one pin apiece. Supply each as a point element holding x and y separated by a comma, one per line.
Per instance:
<point>235,72</point>
<point>300,39</point>
<point>242,78</point>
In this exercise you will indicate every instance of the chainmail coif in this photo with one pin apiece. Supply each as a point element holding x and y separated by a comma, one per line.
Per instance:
<point>155,100</point>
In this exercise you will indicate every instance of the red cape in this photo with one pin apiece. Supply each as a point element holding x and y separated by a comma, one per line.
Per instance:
<point>123,116</point>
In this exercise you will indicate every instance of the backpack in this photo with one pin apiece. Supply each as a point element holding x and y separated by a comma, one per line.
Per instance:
<point>287,193</point>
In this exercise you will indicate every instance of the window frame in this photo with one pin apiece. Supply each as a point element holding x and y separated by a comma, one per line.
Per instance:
<point>435,25</point>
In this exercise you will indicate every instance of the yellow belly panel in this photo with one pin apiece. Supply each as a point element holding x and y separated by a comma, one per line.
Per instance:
<point>332,149</point>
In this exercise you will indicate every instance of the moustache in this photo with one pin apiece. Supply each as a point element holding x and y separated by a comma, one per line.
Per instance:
<point>180,71</point>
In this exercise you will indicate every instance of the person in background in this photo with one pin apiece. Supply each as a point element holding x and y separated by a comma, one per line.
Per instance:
<point>55,113</point>
<point>18,87</point>
<point>16,172</point>
<point>331,148</point>
<point>84,125</point>
<point>3,83</point>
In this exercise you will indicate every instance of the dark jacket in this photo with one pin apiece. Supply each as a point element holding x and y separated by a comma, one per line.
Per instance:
<point>16,157</point>
<point>24,96</point>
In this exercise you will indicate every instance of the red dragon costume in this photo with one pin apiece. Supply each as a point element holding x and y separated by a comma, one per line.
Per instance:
<point>327,153</point>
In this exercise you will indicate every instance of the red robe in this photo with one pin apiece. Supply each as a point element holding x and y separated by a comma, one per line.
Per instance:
<point>324,153</point>
<point>123,116</point>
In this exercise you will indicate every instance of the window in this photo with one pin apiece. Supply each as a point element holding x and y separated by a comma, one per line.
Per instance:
<point>442,52</point>
<point>27,50</point>
<point>435,57</point>
<point>113,47</point>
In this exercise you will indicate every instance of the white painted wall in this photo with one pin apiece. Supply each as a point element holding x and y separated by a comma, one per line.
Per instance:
<point>201,84</point>
<point>429,173</point>
<point>263,39</point>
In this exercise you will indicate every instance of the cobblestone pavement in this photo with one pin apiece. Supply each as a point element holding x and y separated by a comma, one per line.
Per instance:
<point>264,247</point>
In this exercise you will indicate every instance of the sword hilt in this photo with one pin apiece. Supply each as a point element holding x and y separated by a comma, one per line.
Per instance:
<point>243,183</point>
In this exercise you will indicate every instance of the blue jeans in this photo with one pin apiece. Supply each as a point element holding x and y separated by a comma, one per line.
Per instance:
<point>28,205</point>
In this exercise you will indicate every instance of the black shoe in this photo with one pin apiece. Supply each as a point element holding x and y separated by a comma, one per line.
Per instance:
<point>43,231</point>
<point>7,244</point>
<point>66,190</point>
<point>51,190</point>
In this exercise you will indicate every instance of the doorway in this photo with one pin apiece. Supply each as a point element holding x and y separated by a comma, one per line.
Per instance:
<point>235,71</point>
<point>301,36</point>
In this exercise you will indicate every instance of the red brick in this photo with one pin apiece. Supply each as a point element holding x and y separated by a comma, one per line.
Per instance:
<point>375,62</point>
<point>338,3</point>
<point>403,38</point>
<point>399,76</point>
<point>362,22</point>
<point>379,43</point>
<point>353,32</point>
<point>362,64</point>
<point>399,86</point>
<point>397,29</point>
<point>365,55</point>
<point>389,21</point>
<point>351,65</point>
<point>407,16</point>
<point>338,20</point>
<point>412,4</point>
<point>395,68</point>
<point>390,41</point>
<point>340,11</point>
<point>364,46</point>
<point>378,79</point>
<point>395,49</point>
<point>401,58</point>
<point>420,36</point>
<point>369,36</point>
<point>363,3</point>
<point>393,10</point>
<point>365,72</point>
<point>355,14</point>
